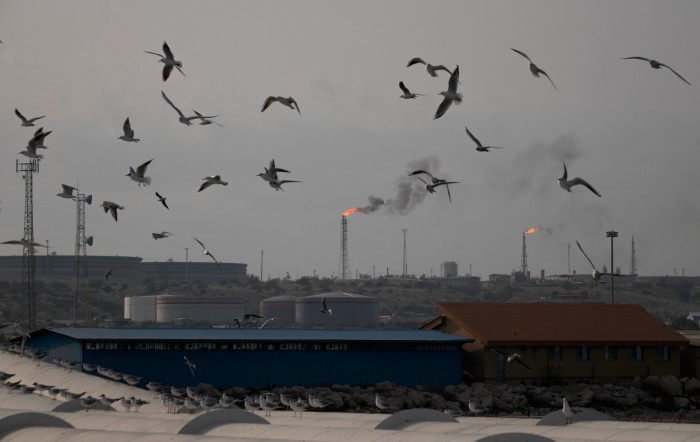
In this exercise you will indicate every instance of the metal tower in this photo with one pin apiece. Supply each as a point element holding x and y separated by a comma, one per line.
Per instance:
<point>633,260</point>
<point>79,259</point>
<point>344,261</point>
<point>29,260</point>
<point>524,258</point>
<point>405,263</point>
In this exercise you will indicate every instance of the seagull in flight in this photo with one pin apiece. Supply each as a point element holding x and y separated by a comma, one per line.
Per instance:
<point>535,70</point>
<point>160,235</point>
<point>35,143</point>
<point>27,122</point>
<point>168,61</point>
<point>31,246</point>
<point>277,184</point>
<point>67,192</point>
<point>187,121</point>
<point>138,175</point>
<point>406,93</point>
<point>324,307</point>
<point>450,95</point>
<point>38,138</point>
<point>161,199</point>
<point>109,273</point>
<point>435,182</point>
<point>567,185</point>
<point>211,180</point>
<point>656,65</point>
<point>513,357</point>
<point>270,173</point>
<point>479,146</point>
<point>204,120</point>
<point>128,132</point>
<point>190,366</point>
<point>596,274</point>
<point>206,252</point>
<point>112,208</point>
<point>288,101</point>
<point>432,70</point>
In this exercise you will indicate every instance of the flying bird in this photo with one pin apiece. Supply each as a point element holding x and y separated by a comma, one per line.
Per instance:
<point>656,65</point>
<point>450,95</point>
<point>128,132</point>
<point>596,274</point>
<point>277,184</point>
<point>138,175</point>
<point>206,252</point>
<point>112,208</point>
<point>324,307</point>
<point>270,173</point>
<point>567,185</point>
<point>67,192</point>
<point>204,120</point>
<point>31,246</point>
<point>190,366</point>
<point>168,61</point>
<point>187,121</point>
<point>288,101</point>
<point>161,199</point>
<point>535,70</point>
<point>406,93</point>
<point>513,357</point>
<point>109,273</point>
<point>434,182</point>
<point>27,122</point>
<point>210,181</point>
<point>479,146</point>
<point>160,235</point>
<point>432,69</point>
<point>36,142</point>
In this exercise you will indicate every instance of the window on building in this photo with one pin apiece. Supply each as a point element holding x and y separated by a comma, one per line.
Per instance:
<point>555,353</point>
<point>638,353</point>
<point>664,353</point>
<point>584,353</point>
<point>610,353</point>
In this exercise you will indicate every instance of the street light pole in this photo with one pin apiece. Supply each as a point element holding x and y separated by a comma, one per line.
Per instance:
<point>612,235</point>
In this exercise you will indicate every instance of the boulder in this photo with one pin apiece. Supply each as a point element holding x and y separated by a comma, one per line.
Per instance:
<point>384,386</point>
<point>671,386</point>
<point>692,387</point>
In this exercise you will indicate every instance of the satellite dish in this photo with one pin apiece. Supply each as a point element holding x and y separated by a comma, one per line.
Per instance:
<point>88,200</point>
<point>89,240</point>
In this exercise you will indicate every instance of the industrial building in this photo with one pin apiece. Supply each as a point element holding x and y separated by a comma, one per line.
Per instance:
<point>252,357</point>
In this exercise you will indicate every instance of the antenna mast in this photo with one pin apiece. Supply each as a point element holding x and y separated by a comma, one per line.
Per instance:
<point>29,259</point>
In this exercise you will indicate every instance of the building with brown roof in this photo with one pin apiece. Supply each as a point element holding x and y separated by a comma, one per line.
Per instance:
<point>561,342</point>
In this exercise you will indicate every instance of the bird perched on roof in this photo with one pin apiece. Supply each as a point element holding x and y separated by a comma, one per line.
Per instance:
<point>168,61</point>
<point>656,65</point>
<point>210,181</point>
<point>161,199</point>
<point>111,208</point>
<point>206,252</point>
<point>568,184</point>
<point>407,93</point>
<point>536,71</point>
<point>128,132</point>
<point>287,101</point>
<point>479,146</point>
<point>26,122</point>
<point>451,95</point>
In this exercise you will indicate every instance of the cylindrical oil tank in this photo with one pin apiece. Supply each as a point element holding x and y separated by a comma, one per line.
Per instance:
<point>212,310</point>
<point>282,308</point>
<point>140,308</point>
<point>347,310</point>
<point>449,269</point>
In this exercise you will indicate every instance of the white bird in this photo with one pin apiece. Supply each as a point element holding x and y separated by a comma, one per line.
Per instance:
<point>205,120</point>
<point>434,182</point>
<point>450,95</point>
<point>656,65</point>
<point>324,307</point>
<point>568,412</point>
<point>513,357</point>
<point>160,235</point>
<point>567,185</point>
<point>406,93</point>
<point>206,253</point>
<point>300,405</point>
<point>161,199</point>
<point>211,180</point>
<point>183,119</point>
<point>479,146</point>
<point>168,61</point>
<point>535,70</point>
<point>380,402</point>
<point>596,274</point>
<point>288,101</point>
<point>27,122</point>
<point>319,402</point>
<point>25,243</point>
<point>128,132</point>
<point>476,407</point>
<point>107,402</point>
<point>190,366</point>
<point>432,69</point>
<point>89,402</point>
<point>138,175</point>
<point>270,173</point>
<point>277,184</point>
<point>36,142</point>
<point>112,208</point>
<point>67,192</point>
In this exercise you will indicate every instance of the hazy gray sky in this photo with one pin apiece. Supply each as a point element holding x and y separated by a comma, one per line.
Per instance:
<point>628,129</point>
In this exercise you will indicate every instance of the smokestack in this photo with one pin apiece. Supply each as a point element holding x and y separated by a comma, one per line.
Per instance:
<point>542,274</point>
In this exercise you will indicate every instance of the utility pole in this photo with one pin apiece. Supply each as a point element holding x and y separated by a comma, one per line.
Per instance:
<point>29,259</point>
<point>568,246</point>
<point>612,235</point>
<point>405,262</point>
<point>262,252</point>
<point>187,261</point>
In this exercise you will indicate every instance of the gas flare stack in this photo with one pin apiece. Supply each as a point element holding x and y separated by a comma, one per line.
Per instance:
<point>344,265</point>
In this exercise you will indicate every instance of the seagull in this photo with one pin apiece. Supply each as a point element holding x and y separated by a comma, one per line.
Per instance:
<point>168,60</point>
<point>300,405</point>
<point>190,366</point>
<point>211,180</point>
<point>596,274</point>
<point>567,185</point>
<point>138,175</point>
<point>277,184</point>
<point>162,199</point>
<point>205,120</point>
<point>406,93</point>
<point>435,182</point>
<point>265,323</point>
<point>450,95</point>
<point>432,70</point>
<point>289,102</point>
<point>27,122</point>
<point>89,402</point>
<point>35,143</point>
<point>475,407</point>
<point>160,235</point>
<point>655,64</point>
<point>128,132</point>
<point>568,412</point>
<point>187,121</point>
<point>26,244</point>
<point>109,273</point>
<point>324,307</point>
<point>479,146</point>
<point>513,357</point>
<point>206,252</point>
<point>380,402</point>
<point>106,402</point>
<point>535,70</point>
<point>270,173</point>
<point>67,192</point>
<point>112,208</point>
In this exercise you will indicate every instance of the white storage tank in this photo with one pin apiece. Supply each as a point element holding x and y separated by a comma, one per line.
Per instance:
<point>449,269</point>
<point>140,308</point>
<point>212,310</point>
<point>348,310</point>
<point>282,308</point>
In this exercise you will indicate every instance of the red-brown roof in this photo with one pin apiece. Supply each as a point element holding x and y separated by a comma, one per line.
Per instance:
<point>559,324</point>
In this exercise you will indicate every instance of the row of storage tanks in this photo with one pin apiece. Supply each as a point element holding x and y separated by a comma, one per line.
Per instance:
<point>348,310</point>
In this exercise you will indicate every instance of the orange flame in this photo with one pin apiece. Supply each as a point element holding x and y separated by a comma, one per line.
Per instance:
<point>353,210</point>
<point>533,229</point>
